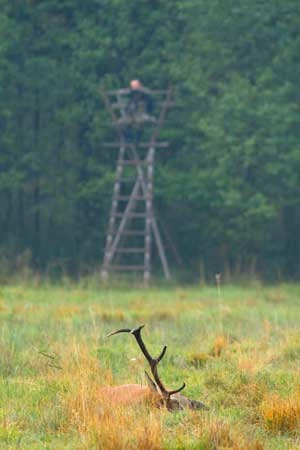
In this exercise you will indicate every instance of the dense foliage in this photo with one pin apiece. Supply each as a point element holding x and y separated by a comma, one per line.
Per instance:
<point>228,187</point>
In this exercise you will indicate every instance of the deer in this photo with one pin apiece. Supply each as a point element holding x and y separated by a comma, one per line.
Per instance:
<point>155,393</point>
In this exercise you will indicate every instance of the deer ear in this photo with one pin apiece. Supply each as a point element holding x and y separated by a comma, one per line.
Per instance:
<point>151,383</point>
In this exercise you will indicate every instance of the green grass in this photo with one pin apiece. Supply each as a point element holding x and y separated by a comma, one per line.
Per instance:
<point>238,351</point>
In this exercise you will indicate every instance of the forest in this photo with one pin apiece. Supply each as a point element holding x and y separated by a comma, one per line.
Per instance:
<point>227,188</point>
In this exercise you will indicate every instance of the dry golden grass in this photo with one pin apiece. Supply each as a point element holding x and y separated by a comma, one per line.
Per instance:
<point>254,360</point>
<point>3,306</point>
<point>101,423</point>
<point>275,296</point>
<point>198,359</point>
<point>104,425</point>
<point>66,311</point>
<point>24,310</point>
<point>163,314</point>
<point>111,316</point>
<point>130,429</point>
<point>106,315</point>
<point>107,426</point>
<point>281,414</point>
<point>220,343</point>
<point>55,362</point>
<point>214,433</point>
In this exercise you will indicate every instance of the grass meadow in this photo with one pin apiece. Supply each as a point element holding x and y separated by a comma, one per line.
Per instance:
<point>237,349</point>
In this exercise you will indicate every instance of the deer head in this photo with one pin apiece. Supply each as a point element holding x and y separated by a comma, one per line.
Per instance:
<point>172,400</point>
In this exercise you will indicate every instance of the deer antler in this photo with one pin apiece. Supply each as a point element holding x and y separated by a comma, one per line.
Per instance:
<point>153,362</point>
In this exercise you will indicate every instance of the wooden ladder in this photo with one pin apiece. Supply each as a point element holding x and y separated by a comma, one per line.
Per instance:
<point>132,224</point>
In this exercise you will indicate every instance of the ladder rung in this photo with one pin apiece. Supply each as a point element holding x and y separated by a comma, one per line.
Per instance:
<point>126,120</point>
<point>134,233</point>
<point>128,180</point>
<point>141,144</point>
<point>125,91</point>
<point>136,215</point>
<point>135,162</point>
<point>119,267</point>
<point>122,105</point>
<point>130,250</point>
<point>128,197</point>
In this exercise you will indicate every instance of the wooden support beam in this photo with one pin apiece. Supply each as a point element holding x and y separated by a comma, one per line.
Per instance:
<point>121,104</point>
<point>162,144</point>
<point>126,268</point>
<point>135,162</point>
<point>126,91</point>
<point>130,250</point>
<point>133,233</point>
<point>125,198</point>
<point>131,215</point>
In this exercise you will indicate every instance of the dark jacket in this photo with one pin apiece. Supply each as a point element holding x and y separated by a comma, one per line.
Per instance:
<point>140,101</point>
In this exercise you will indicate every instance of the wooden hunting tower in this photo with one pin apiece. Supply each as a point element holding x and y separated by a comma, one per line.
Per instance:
<point>132,224</point>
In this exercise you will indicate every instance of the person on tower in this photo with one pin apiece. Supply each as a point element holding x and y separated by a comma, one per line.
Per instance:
<point>137,112</point>
<point>140,106</point>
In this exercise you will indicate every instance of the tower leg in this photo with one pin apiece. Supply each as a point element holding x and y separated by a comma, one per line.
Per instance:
<point>149,215</point>
<point>161,250</point>
<point>112,218</point>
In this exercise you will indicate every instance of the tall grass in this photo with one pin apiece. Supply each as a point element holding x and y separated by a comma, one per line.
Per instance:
<point>238,353</point>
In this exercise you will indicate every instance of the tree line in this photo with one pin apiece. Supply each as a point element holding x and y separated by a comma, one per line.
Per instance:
<point>227,190</point>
